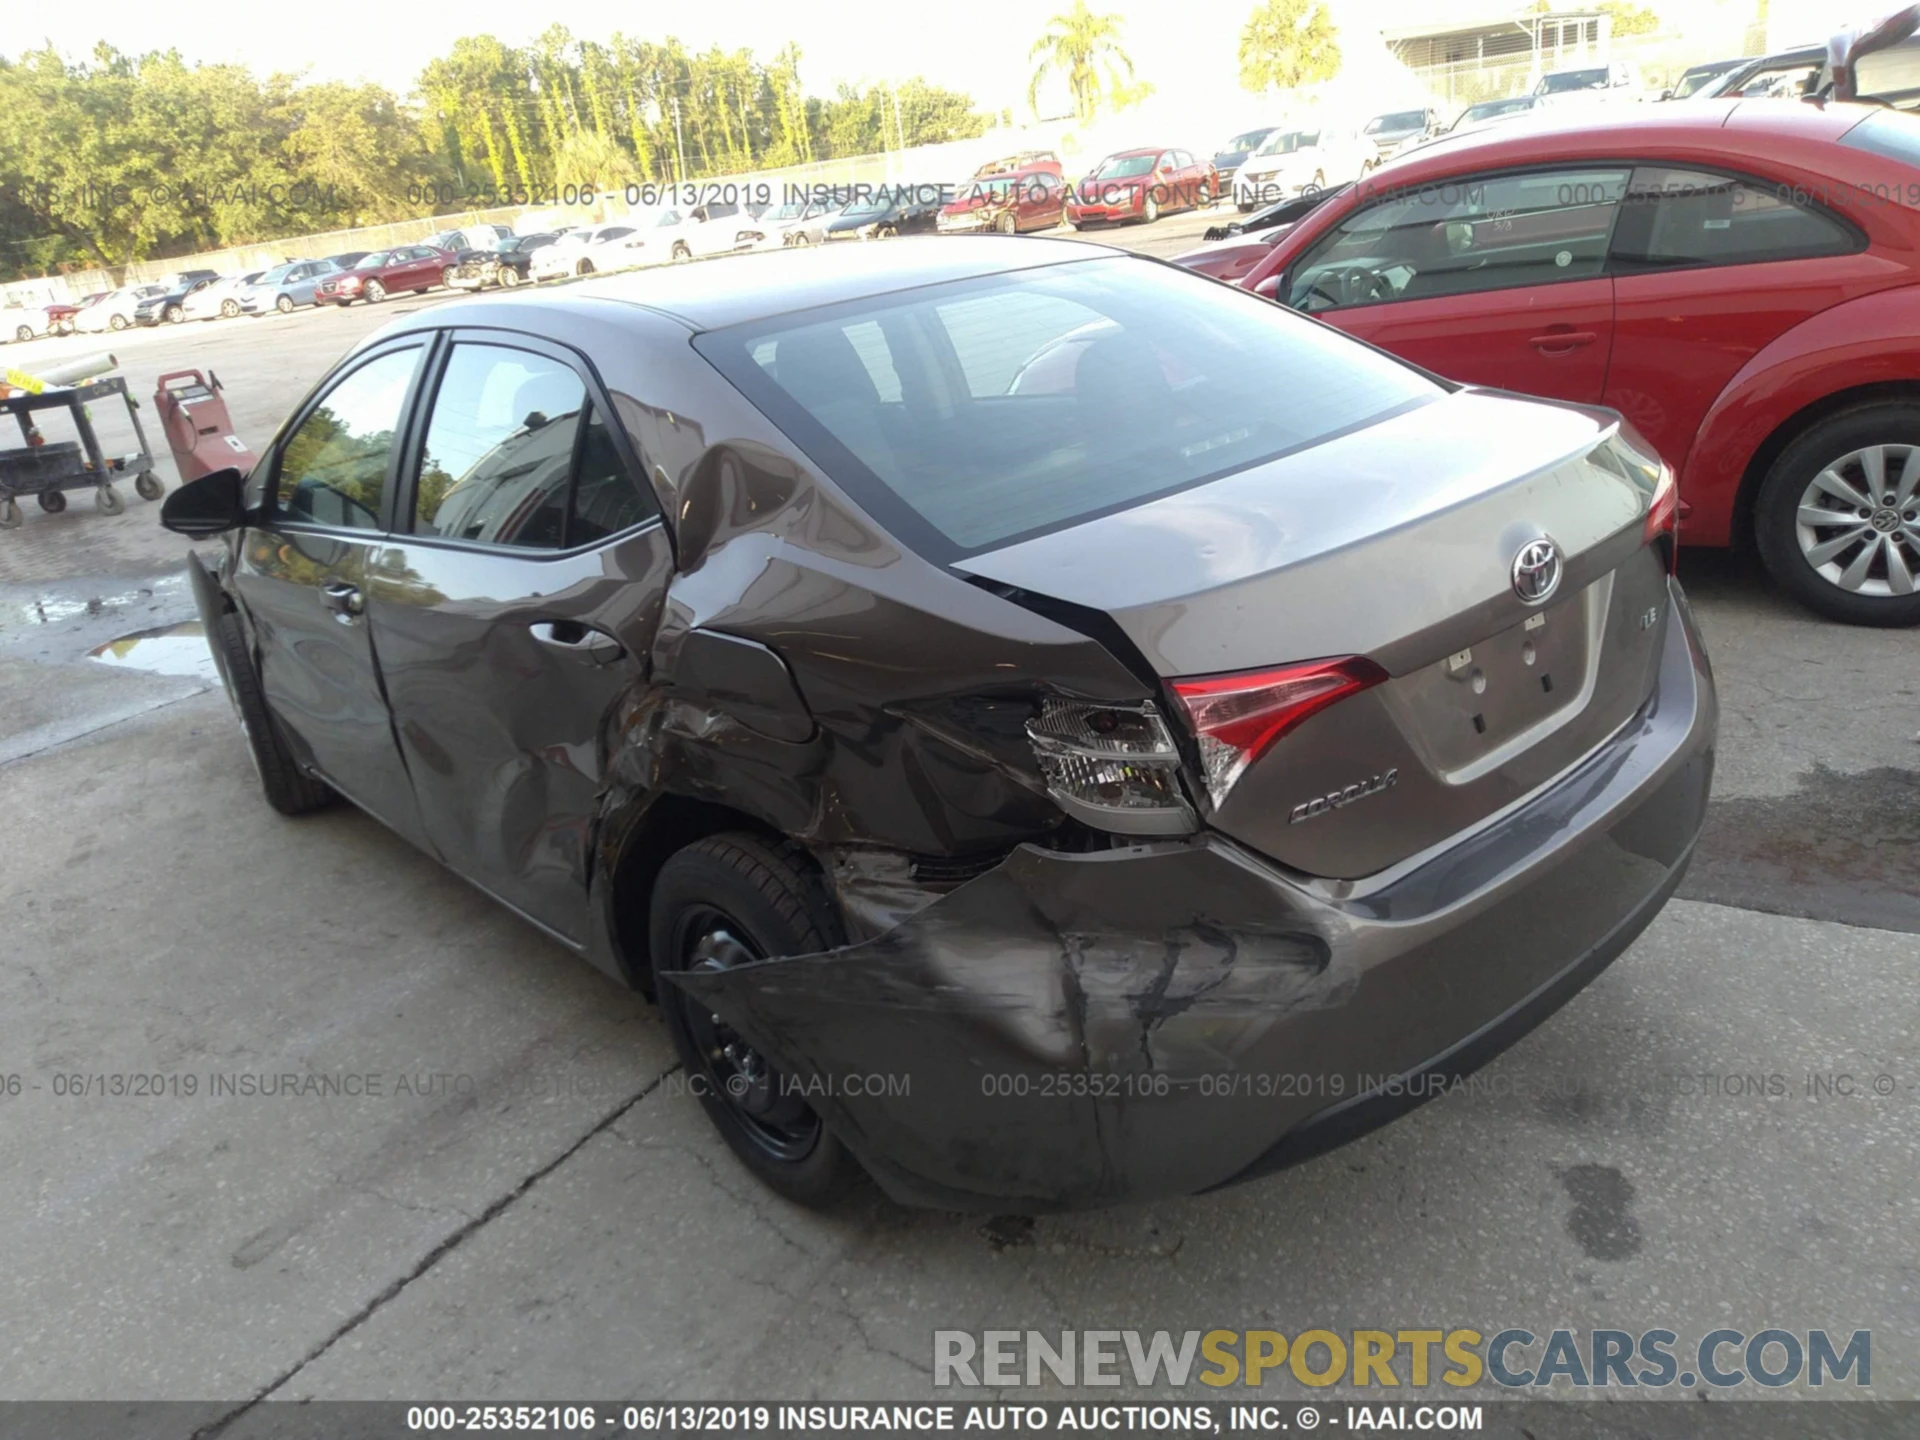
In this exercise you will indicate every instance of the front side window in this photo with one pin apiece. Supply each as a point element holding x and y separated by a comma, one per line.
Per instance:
<point>1675,218</point>
<point>499,449</point>
<point>1464,236</point>
<point>333,467</point>
<point>1012,404</point>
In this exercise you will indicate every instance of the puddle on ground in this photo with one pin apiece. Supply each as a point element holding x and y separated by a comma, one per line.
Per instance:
<point>1842,847</point>
<point>173,650</point>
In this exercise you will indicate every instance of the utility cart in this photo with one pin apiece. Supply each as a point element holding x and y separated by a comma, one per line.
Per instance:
<point>47,469</point>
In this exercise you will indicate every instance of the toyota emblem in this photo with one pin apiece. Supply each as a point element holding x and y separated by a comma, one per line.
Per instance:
<point>1536,571</point>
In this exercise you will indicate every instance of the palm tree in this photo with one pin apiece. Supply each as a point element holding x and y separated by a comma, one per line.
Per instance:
<point>1288,43</point>
<point>1077,45</point>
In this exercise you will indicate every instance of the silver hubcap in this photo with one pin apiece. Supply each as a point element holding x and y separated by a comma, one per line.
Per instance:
<point>1859,521</point>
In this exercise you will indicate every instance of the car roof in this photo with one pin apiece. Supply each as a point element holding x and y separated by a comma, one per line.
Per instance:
<point>1742,128</point>
<point>759,285</point>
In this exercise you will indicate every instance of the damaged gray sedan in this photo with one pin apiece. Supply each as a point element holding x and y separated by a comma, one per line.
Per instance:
<point>1047,727</point>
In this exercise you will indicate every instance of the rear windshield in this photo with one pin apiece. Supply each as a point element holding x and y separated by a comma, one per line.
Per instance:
<point>967,415</point>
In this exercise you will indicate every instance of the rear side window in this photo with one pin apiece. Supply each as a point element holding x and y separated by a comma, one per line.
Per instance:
<point>333,467</point>
<point>516,455</point>
<point>1018,403</point>
<point>1676,217</point>
<point>1896,135</point>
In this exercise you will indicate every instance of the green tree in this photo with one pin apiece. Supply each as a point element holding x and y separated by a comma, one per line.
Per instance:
<point>1084,49</point>
<point>1286,44</point>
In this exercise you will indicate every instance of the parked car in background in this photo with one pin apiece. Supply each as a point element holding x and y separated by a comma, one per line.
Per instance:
<point>1396,130</point>
<point>1145,809</point>
<point>470,238</point>
<point>1492,112</point>
<point>26,322</point>
<point>1228,159</point>
<point>60,316</point>
<point>1700,269</point>
<point>114,310</point>
<point>801,221</point>
<point>601,248</point>
<point>1291,162</point>
<point>1697,77</point>
<point>1616,80</point>
<point>902,210</point>
<point>169,305</point>
<point>1880,63</point>
<point>347,259</point>
<point>1785,74</point>
<point>1229,250</point>
<point>1010,204</point>
<point>1021,160</point>
<point>285,287</point>
<point>506,264</point>
<point>719,227</point>
<point>220,299</point>
<point>403,269</point>
<point>1141,185</point>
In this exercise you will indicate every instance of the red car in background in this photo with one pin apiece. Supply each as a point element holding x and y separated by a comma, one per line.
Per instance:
<point>1740,280</point>
<point>1010,203</point>
<point>386,272</point>
<point>1141,185</point>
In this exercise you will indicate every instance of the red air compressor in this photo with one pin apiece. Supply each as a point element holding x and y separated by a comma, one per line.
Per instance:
<point>198,430</point>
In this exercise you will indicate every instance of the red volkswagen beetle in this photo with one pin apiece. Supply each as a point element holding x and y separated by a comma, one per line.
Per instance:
<point>1741,280</point>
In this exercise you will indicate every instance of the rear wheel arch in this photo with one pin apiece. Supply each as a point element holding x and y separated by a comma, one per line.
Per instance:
<point>643,838</point>
<point>1761,462</point>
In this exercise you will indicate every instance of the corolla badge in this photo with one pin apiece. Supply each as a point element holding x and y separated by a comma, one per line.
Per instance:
<point>1359,790</point>
<point>1536,570</point>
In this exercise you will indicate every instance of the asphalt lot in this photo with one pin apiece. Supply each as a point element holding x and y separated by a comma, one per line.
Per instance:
<point>537,1211</point>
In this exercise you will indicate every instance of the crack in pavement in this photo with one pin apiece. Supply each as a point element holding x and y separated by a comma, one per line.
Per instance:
<point>432,1258</point>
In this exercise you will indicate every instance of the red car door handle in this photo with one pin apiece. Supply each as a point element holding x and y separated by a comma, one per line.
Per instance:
<point>1561,340</point>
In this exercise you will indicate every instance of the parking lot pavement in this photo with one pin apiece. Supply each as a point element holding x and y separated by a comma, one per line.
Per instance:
<point>507,1195</point>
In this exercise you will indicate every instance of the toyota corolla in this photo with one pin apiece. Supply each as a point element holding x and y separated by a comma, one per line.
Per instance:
<point>1039,796</point>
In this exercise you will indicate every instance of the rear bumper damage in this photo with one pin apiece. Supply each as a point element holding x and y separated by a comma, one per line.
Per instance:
<point>1074,1030</point>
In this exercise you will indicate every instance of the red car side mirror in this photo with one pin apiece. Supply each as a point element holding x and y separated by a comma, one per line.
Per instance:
<point>1269,288</point>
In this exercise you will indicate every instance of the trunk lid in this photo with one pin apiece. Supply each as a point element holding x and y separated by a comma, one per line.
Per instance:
<point>1398,543</point>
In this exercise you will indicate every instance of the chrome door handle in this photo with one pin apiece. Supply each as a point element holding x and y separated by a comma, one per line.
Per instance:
<point>343,600</point>
<point>578,639</point>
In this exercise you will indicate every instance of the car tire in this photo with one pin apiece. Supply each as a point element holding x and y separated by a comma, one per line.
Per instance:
<point>288,789</point>
<point>284,304</point>
<point>1007,225</point>
<point>174,315</point>
<point>680,252</point>
<point>1150,212</point>
<point>729,899</point>
<point>117,322</point>
<point>509,277</point>
<point>585,267</point>
<point>23,332</point>
<point>446,279</point>
<point>1852,568</point>
<point>229,309</point>
<point>374,292</point>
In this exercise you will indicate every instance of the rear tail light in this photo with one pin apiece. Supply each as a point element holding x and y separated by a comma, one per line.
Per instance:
<point>1663,516</point>
<point>1114,767</point>
<point>1237,718</point>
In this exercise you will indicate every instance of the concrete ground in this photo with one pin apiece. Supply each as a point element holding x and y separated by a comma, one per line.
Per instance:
<point>529,1207</point>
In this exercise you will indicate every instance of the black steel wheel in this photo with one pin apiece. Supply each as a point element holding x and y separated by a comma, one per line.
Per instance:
<point>731,900</point>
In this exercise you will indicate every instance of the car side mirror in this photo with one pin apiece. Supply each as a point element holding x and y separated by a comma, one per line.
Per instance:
<point>209,506</point>
<point>1269,288</point>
